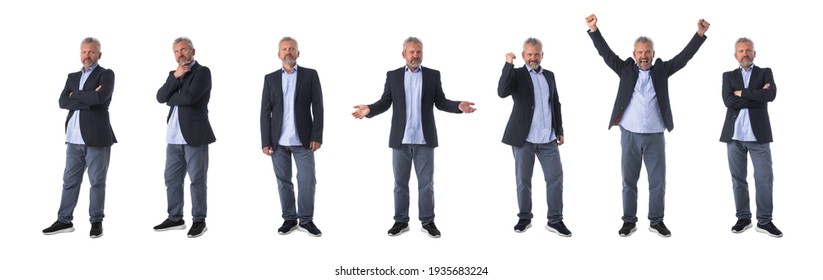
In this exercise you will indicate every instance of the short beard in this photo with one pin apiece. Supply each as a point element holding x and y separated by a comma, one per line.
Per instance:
<point>534,65</point>
<point>291,62</point>
<point>745,63</point>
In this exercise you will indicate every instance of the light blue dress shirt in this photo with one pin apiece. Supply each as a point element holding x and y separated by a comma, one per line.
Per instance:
<point>288,135</point>
<point>173,133</point>
<point>643,113</point>
<point>73,134</point>
<point>413,82</point>
<point>541,131</point>
<point>743,124</point>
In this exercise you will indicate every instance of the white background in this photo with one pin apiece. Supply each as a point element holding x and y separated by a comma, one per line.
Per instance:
<point>352,44</point>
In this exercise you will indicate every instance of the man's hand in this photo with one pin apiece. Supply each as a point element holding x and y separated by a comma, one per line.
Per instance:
<point>702,27</point>
<point>314,146</point>
<point>591,21</point>
<point>182,69</point>
<point>510,57</point>
<point>360,111</point>
<point>466,107</point>
<point>268,151</point>
<point>560,140</point>
<point>767,86</point>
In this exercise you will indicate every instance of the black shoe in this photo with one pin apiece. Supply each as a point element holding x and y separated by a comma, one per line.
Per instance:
<point>742,225</point>
<point>769,229</point>
<point>398,228</point>
<point>287,227</point>
<point>522,225</point>
<point>96,230</point>
<point>170,225</point>
<point>310,228</point>
<point>197,229</point>
<point>660,229</point>
<point>58,227</point>
<point>559,228</point>
<point>627,229</point>
<point>431,230</point>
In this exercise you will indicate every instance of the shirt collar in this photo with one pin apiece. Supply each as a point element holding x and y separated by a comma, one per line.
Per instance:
<point>91,68</point>
<point>538,71</point>
<point>744,70</point>
<point>419,68</point>
<point>293,71</point>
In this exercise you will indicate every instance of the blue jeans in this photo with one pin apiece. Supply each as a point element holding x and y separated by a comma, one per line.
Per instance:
<point>78,158</point>
<point>306,181</point>
<point>181,159</point>
<point>423,158</point>
<point>763,179</point>
<point>549,157</point>
<point>651,149</point>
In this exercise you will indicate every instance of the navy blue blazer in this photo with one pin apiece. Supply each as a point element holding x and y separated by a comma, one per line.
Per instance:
<point>517,82</point>
<point>95,126</point>
<point>191,94</point>
<point>628,72</point>
<point>308,107</point>
<point>754,98</point>
<point>394,93</point>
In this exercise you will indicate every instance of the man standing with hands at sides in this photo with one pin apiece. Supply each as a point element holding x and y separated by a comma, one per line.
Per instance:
<point>89,138</point>
<point>643,112</point>
<point>535,127</point>
<point>187,91</point>
<point>413,90</point>
<point>291,123</point>
<point>747,92</point>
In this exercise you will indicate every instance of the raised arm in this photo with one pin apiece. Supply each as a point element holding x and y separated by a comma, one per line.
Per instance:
<point>507,81</point>
<point>679,61</point>
<point>609,57</point>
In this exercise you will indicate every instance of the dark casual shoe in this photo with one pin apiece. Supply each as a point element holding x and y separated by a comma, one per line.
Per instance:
<point>522,225</point>
<point>58,227</point>
<point>660,229</point>
<point>627,229</point>
<point>431,230</point>
<point>96,230</point>
<point>170,225</point>
<point>310,228</point>
<point>287,227</point>
<point>769,229</point>
<point>559,228</point>
<point>398,228</point>
<point>197,229</point>
<point>742,225</point>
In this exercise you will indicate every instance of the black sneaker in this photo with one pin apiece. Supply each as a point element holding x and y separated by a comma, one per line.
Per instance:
<point>559,228</point>
<point>287,227</point>
<point>522,225</point>
<point>431,230</point>
<point>742,225</point>
<point>398,228</point>
<point>627,229</point>
<point>310,228</point>
<point>96,230</point>
<point>58,227</point>
<point>769,229</point>
<point>170,225</point>
<point>660,229</point>
<point>197,229</point>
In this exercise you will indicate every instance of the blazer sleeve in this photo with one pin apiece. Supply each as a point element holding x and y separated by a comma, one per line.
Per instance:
<point>440,101</point>
<point>679,61</point>
<point>93,97</point>
<point>759,94</point>
<point>558,115</point>
<point>385,101</point>
<point>612,60</point>
<point>265,115</point>
<point>732,101</point>
<point>198,87</point>
<point>507,81</point>
<point>69,103</point>
<point>317,110</point>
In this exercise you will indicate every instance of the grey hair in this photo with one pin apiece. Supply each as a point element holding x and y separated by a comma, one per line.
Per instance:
<point>534,42</point>
<point>412,40</point>
<point>92,40</point>
<point>744,40</point>
<point>644,39</point>
<point>184,39</point>
<point>289,39</point>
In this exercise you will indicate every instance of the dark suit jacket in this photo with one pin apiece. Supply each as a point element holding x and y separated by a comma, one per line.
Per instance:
<point>308,102</point>
<point>191,95</point>
<point>395,94</point>
<point>517,82</point>
<point>628,72</point>
<point>755,98</point>
<point>95,126</point>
